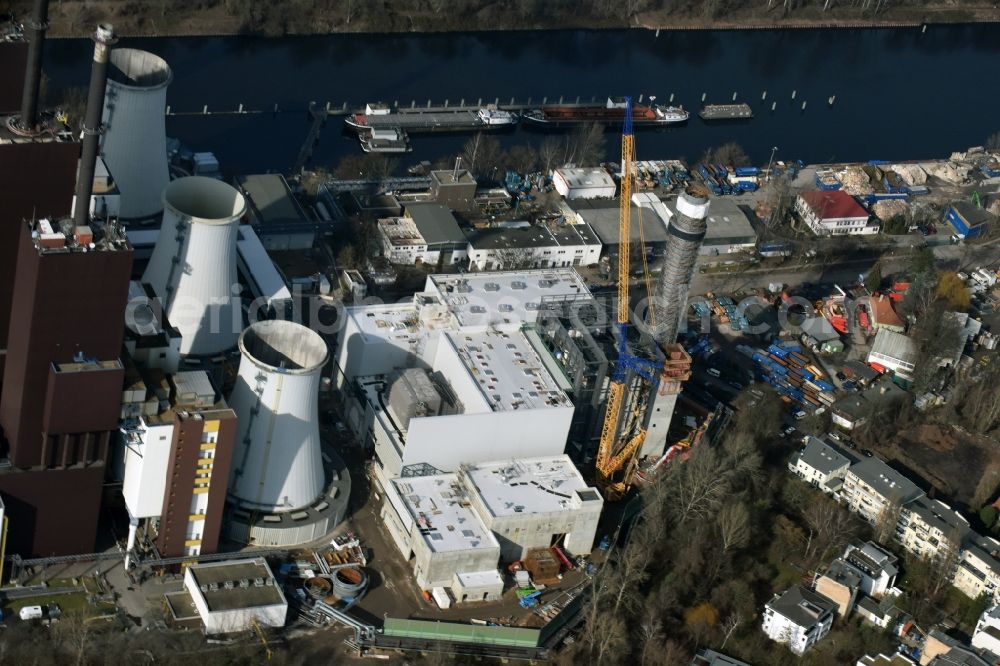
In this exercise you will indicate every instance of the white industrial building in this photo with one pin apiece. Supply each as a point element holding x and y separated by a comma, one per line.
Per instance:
<point>456,365</point>
<point>134,142</point>
<point>584,183</point>
<point>193,266</point>
<point>232,596</point>
<point>266,284</point>
<point>799,618</point>
<point>534,246</point>
<point>457,528</point>
<point>535,503</point>
<point>427,234</point>
<point>432,522</point>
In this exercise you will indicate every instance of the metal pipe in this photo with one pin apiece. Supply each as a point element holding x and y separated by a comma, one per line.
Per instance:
<point>36,28</point>
<point>685,234</point>
<point>104,38</point>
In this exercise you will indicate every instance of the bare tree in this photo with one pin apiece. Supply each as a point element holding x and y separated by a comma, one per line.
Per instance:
<point>887,520</point>
<point>830,527</point>
<point>548,152</point>
<point>734,525</point>
<point>729,625</point>
<point>699,486</point>
<point>987,486</point>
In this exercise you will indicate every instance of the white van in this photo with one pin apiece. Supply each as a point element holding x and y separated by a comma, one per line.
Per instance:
<point>30,613</point>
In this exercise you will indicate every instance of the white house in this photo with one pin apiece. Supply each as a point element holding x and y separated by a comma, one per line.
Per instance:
<point>821,464</point>
<point>799,618</point>
<point>987,634</point>
<point>833,213</point>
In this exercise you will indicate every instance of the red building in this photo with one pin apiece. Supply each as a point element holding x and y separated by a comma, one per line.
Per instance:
<point>62,383</point>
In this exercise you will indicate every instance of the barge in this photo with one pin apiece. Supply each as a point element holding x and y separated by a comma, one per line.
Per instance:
<point>726,112</point>
<point>381,117</point>
<point>613,112</point>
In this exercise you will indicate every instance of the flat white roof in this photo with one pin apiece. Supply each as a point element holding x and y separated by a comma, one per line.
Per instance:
<point>533,485</point>
<point>194,385</point>
<point>587,177</point>
<point>262,271</point>
<point>441,509</point>
<point>479,578</point>
<point>508,297</point>
<point>509,372</point>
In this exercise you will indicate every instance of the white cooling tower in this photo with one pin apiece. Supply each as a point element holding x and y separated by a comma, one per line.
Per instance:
<point>193,266</point>
<point>277,465</point>
<point>135,138</point>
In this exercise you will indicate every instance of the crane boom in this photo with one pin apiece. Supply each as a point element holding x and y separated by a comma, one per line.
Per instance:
<point>615,458</point>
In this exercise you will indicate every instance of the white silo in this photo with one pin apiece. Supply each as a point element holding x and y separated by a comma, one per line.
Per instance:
<point>193,266</point>
<point>277,464</point>
<point>135,139</point>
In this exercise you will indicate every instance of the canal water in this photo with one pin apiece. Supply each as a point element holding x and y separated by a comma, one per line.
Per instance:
<point>900,93</point>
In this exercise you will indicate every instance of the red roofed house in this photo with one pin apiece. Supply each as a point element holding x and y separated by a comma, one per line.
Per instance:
<point>834,213</point>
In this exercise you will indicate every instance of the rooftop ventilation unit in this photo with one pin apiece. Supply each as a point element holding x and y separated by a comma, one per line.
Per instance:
<point>277,465</point>
<point>193,267</point>
<point>135,138</point>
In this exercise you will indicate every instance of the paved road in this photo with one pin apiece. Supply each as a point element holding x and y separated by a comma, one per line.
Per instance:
<point>951,257</point>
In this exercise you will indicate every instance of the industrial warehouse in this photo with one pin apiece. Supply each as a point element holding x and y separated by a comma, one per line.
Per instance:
<point>464,414</point>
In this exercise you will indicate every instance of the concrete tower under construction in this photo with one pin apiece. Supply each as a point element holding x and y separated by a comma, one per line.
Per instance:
<point>686,231</point>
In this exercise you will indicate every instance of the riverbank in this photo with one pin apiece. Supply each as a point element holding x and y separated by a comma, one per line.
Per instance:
<point>163,18</point>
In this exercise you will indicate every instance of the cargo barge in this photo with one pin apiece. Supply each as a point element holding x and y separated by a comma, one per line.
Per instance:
<point>726,112</point>
<point>613,112</point>
<point>381,117</point>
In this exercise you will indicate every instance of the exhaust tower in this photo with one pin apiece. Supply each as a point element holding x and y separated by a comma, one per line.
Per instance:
<point>193,266</point>
<point>135,140</point>
<point>685,233</point>
<point>104,38</point>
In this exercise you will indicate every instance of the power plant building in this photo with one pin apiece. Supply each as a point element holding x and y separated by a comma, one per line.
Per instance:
<point>456,365</point>
<point>62,382</point>
<point>178,437</point>
<point>457,528</point>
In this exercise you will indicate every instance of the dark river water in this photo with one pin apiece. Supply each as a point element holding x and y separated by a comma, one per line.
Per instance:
<point>900,93</point>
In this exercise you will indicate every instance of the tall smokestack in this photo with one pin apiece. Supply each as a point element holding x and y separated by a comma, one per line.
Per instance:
<point>685,234</point>
<point>33,74</point>
<point>103,37</point>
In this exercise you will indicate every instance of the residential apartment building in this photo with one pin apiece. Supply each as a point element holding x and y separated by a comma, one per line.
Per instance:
<point>931,528</point>
<point>871,486</point>
<point>799,618</point>
<point>978,570</point>
<point>924,527</point>
<point>821,464</point>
